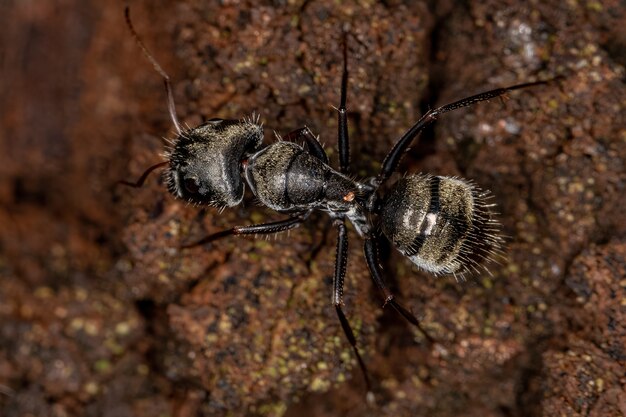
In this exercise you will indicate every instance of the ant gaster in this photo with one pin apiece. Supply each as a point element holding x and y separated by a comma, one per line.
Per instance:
<point>442,224</point>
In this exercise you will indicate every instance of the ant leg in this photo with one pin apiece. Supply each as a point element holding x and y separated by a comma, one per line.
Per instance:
<point>371,256</point>
<point>390,164</point>
<point>343,140</point>
<point>143,177</point>
<point>341,261</point>
<point>313,144</point>
<point>257,229</point>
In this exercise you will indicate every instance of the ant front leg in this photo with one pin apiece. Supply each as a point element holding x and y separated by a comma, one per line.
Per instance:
<point>371,256</point>
<point>312,143</point>
<point>257,229</point>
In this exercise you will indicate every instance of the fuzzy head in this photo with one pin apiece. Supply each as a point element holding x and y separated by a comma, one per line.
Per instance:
<point>205,162</point>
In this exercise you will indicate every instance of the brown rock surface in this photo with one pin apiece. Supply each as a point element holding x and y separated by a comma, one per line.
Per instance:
<point>102,315</point>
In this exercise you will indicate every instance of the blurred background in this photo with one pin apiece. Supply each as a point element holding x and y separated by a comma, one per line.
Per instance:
<point>102,315</point>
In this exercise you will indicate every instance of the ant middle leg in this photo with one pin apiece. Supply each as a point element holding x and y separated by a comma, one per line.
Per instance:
<point>257,229</point>
<point>341,262</point>
<point>343,141</point>
<point>371,256</point>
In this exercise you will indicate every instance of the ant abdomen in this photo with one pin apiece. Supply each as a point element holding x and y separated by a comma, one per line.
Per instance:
<point>442,224</point>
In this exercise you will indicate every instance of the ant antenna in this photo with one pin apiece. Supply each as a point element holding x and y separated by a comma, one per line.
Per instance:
<point>142,179</point>
<point>168,87</point>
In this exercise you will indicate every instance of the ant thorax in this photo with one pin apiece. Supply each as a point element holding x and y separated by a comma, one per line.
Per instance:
<point>286,177</point>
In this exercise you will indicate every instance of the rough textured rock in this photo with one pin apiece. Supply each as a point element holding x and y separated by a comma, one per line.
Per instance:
<point>102,314</point>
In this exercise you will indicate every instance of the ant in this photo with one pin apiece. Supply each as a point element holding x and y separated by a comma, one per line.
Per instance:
<point>444,225</point>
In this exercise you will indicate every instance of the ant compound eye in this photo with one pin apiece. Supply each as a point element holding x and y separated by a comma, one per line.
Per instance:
<point>191,185</point>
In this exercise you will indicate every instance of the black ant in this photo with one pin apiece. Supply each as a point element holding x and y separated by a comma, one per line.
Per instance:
<point>442,224</point>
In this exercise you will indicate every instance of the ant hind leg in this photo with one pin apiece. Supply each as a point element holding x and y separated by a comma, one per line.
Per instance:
<point>312,143</point>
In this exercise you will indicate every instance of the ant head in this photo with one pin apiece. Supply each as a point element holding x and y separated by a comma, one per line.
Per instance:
<point>205,162</point>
